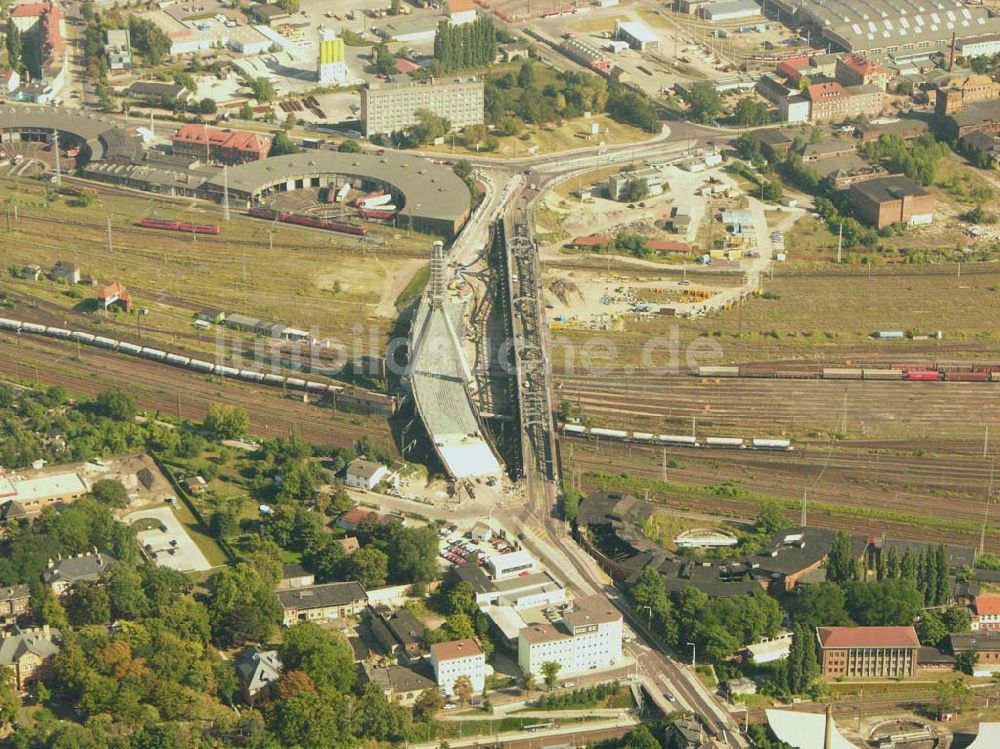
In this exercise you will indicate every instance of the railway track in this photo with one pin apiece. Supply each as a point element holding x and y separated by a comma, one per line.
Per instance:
<point>167,390</point>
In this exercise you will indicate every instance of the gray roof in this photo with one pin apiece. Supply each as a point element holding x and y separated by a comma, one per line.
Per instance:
<point>405,627</point>
<point>156,88</point>
<point>431,191</point>
<point>316,596</point>
<point>977,112</point>
<point>83,568</point>
<point>14,592</point>
<point>883,189</point>
<point>257,668</point>
<point>979,641</point>
<point>879,24</point>
<point>13,646</point>
<point>846,163</point>
<point>363,468</point>
<point>103,136</point>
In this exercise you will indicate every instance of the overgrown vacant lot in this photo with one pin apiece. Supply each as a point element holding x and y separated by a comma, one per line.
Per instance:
<point>306,278</point>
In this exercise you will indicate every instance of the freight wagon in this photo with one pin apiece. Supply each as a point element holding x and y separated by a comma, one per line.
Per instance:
<point>316,223</point>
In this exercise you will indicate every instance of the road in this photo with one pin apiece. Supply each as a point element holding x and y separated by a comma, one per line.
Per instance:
<point>536,517</point>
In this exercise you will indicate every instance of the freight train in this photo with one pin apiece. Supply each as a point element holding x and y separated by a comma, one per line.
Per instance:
<point>900,372</point>
<point>159,223</point>
<point>316,223</point>
<point>197,365</point>
<point>676,440</point>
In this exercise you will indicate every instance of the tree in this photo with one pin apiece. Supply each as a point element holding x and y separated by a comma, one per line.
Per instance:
<point>242,605</point>
<point>115,404</point>
<point>822,605</point>
<point>750,112</point>
<point>428,703</point>
<point>635,190</point>
<point>772,519</point>
<point>289,6</point>
<point>370,566</point>
<point>149,39</point>
<point>207,106</point>
<point>227,422</point>
<point>931,629</point>
<point>529,683</point>
<point>957,619</point>
<point>10,700</point>
<point>349,146</point>
<point>414,557</point>
<point>462,689</point>
<point>246,111</point>
<point>325,656</point>
<point>292,684</point>
<point>942,591</point>
<point>262,89</point>
<point>385,63</point>
<point>840,562</point>
<point>15,47</point>
<point>282,145</point>
<point>550,673</point>
<point>966,662</point>
<point>704,101</point>
<point>953,696</point>
<point>110,493</point>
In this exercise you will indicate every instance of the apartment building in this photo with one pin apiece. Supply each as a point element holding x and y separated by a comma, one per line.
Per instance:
<point>452,660</point>
<point>388,107</point>
<point>868,652</point>
<point>987,613</point>
<point>587,638</point>
<point>831,102</point>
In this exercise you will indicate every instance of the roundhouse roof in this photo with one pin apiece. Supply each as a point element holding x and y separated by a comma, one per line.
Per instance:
<point>104,136</point>
<point>432,191</point>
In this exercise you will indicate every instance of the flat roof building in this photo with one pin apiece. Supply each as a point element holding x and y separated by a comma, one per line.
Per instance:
<point>731,10</point>
<point>453,660</point>
<point>34,494</point>
<point>322,602</point>
<point>389,107</point>
<point>638,35</point>
<point>885,201</point>
<point>587,638</point>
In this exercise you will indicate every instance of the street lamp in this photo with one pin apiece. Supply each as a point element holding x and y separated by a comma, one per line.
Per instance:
<point>650,610</point>
<point>694,651</point>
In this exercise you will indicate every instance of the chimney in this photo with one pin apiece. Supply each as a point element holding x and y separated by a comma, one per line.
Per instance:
<point>951,58</point>
<point>46,631</point>
<point>828,737</point>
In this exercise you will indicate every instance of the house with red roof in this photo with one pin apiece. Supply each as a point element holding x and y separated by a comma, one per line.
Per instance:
<point>42,28</point>
<point>461,12</point>
<point>858,70</point>
<point>868,652</point>
<point>986,616</point>
<point>115,293</point>
<point>205,143</point>
<point>832,102</point>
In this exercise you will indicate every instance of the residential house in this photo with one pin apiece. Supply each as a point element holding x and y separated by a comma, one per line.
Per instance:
<point>868,652</point>
<point>195,484</point>
<point>115,293</point>
<point>317,603</point>
<point>986,613</point>
<point>401,632</point>
<point>452,660</point>
<point>352,519</point>
<point>461,12</point>
<point>62,574</point>
<point>15,601</point>
<point>885,201</point>
<point>986,644</point>
<point>9,81</point>
<point>23,652</point>
<point>257,672</point>
<point>402,684</point>
<point>157,90</point>
<point>295,576</point>
<point>365,474</point>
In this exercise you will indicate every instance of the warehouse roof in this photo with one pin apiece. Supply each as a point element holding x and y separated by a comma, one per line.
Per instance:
<point>639,31</point>
<point>804,730</point>
<point>729,7</point>
<point>316,596</point>
<point>987,738</point>
<point>884,189</point>
<point>431,191</point>
<point>104,136</point>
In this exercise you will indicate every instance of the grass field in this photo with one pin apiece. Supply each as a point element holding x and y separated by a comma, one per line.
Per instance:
<point>310,279</point>
<point>548,138</point>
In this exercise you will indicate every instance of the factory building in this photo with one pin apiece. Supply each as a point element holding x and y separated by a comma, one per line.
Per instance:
<point>388,107</point>
<point>731,10</point>
<point>638,35</point>
<point>897,29</point>
<point>885,201</point>
<point>867,652</point>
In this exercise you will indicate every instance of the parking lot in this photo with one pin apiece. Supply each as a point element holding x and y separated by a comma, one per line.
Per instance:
<point>169,545</point>
<point>460,549</point>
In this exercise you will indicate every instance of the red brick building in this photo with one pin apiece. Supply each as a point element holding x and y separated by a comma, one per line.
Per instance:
<point>858,70</point>
<point>867,652</point>
<point>224,146</point>
<point>885,201</point>
<point>987,613</point>
<point>830,102</point>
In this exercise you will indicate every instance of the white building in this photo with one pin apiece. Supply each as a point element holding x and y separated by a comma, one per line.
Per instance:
<point>638,35</point>
<point>978,46</point>
<point>332,66</point>
<point>509,565</point>
<point>481,531</point>
<point>730,11</point>
<point>365,474</point>
<point>461,12</point>
<point>9,81</point>
<point>588,638</point>
<point>794,108</point>
<point>458,658</point>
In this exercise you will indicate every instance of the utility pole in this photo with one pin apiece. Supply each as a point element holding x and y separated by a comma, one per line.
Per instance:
<point>55,147</point>
<point>805,507</point>
<point>840,243</point>
<point>109,233</point>
<point>225,193</point>
<point>663,473</point>
<point>986,440</point>
<point>986,512</point>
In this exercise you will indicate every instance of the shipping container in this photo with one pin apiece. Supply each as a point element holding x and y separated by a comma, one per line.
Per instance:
<point>771,444</point>
<point>678,439</point>
<point>718,371</point>
<point>724,442</point>
<point>890,334</point>
<point>642,436</point>
<point>612,433</point>
<point>882,374</point>
<point>838,373</point>
<point>574,429</point>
